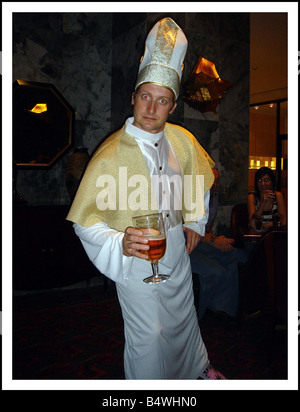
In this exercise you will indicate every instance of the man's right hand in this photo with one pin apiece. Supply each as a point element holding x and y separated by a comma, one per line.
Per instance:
<point>134,242</point>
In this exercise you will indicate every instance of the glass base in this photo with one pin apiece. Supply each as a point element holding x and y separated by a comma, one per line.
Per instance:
<point>156,279</point>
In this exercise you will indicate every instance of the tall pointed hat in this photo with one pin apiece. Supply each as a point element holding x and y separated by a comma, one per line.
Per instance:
<point>162,63</point>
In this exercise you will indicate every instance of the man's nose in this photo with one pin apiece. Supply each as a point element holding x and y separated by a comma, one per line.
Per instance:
<point>151,106</point>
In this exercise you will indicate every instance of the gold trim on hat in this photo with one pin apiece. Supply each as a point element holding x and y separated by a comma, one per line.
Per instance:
<point>165,42</point>
<point>161,75</point>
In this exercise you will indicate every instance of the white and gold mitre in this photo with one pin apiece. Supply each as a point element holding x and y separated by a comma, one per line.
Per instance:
<point>162,62</point>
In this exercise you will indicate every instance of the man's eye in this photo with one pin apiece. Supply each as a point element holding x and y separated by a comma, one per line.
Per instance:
<point>163,101</point>
<point>145,97</point>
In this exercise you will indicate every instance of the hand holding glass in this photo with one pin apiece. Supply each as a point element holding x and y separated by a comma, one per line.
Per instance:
<point>153,228</point>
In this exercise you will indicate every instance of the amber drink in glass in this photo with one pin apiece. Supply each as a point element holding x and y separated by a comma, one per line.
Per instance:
<point>153,228</point>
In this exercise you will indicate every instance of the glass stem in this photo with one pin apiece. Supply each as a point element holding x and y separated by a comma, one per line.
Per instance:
<point>155,269</point>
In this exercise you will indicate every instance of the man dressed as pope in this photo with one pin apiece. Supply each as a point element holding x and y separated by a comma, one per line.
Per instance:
<point>151,166</point>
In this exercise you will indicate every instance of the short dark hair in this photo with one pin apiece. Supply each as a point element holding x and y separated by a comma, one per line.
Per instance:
<point>262,172</point>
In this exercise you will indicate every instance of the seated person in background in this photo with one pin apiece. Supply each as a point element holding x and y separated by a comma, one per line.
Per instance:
<point>266,201</point>
<point>215,260</point>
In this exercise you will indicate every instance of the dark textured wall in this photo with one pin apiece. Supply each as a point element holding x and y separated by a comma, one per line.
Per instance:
<point>93,58</point>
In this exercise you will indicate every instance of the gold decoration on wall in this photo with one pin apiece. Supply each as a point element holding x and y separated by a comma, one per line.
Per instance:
<point>204,89</point>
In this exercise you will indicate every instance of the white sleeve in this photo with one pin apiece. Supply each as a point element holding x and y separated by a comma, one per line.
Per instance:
<point>103,246</point>
<point>199,227</point>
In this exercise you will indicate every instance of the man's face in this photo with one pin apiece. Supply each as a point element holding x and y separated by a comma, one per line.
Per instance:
<point>152,105</point>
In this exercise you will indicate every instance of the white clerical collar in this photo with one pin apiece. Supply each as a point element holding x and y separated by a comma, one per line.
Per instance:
<point>139,133</point>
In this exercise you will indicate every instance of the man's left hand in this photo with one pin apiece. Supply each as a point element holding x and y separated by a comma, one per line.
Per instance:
<point>192,239</point>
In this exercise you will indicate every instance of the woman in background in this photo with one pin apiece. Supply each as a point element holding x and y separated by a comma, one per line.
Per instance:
<point>266,201</point>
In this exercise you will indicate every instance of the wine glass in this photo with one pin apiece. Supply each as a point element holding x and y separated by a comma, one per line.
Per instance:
<point>258,223</point>
<point>276,219</point>
<point>153,228</point>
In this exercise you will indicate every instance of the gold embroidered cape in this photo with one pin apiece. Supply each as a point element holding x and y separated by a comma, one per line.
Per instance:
<point>120,150</point>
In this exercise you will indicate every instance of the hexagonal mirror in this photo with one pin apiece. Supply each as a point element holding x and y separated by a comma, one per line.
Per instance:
<point>42,124</point>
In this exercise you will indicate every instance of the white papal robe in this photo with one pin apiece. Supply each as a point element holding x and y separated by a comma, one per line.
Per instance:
<point>162,336</point>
